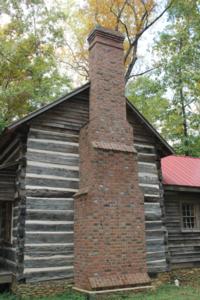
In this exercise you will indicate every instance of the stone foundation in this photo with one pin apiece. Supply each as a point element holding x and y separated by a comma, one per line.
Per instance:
<point>185,276</point>
<point>39,289</point>
<point>50,288</point>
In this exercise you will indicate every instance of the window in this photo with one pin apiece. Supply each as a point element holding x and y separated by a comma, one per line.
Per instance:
<point>190,216</point>
<point>5,221</point>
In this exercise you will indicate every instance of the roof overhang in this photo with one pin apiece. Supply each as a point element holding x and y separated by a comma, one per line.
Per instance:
<point>181,188</point>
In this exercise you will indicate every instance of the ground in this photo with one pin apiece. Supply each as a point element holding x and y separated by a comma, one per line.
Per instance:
<point>166,292</point>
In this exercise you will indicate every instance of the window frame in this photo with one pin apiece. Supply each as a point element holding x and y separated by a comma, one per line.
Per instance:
<point>196,214</point>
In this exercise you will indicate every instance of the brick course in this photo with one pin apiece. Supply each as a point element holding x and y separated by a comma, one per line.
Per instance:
<point>109,212</point>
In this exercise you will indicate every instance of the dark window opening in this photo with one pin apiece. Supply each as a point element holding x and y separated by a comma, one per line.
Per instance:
<point>6,222</point>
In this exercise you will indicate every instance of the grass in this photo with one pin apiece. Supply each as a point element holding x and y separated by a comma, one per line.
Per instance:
<point>166,292</point>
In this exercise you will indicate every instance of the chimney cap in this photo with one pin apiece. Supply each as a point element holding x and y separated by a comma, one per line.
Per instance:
<point>106,34</point>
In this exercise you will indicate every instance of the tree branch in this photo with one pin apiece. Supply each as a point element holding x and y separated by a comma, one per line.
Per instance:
<point>119,14</point>
<point>143,73</point>
<point>132,63</point>
<point>157,18</point>
<point>134,44</point>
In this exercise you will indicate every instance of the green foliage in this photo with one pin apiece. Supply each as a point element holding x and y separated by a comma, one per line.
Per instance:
<point>170,99</point>
<point>179,52</point>
<point>30,74</point>
<point>167,292</point>
<point>148,97</point>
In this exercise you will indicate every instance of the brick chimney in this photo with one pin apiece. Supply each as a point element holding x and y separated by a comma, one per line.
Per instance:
<point>109,229</point>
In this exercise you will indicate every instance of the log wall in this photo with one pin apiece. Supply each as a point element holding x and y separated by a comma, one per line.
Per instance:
<point>7,194</point>
<point>184,247</point>
<point>150,182</point>
<point>11,153</point>
<point>52,178</point>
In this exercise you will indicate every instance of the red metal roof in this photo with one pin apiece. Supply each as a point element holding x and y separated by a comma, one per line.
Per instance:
<point>181,170</point>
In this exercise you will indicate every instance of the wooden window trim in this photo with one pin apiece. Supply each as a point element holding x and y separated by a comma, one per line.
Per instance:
<point>197,216</point>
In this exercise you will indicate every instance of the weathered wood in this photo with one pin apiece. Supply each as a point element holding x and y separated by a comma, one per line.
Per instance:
<point>48,249</point>
<point>56,182</point>
<point>48,144</point>
<point>184,247</point>
<point>49,261</point>
<point>52,176</point>
<point>49,236</point>
<point>9,153</point>
<point>47,203</point>
<point>50,226</point>
<point>52,157</point>
<point>7,185</point>
<point>42,274</point>
<point>5,277</point>
<point>51,215</point>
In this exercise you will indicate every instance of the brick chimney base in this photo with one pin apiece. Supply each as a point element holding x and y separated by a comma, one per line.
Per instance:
<point>110,250</point>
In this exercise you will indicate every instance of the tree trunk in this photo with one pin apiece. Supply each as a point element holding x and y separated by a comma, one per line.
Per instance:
<point>185,127</point>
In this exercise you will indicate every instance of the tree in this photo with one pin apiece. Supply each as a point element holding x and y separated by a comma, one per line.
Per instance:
<point>170,97</point>
<point>147,95</point>
<point>131,17</point>
<point>179,52</point>
<point>30,75</point>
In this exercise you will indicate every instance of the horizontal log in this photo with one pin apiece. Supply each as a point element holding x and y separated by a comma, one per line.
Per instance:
<point>152,215</point>
<point>49,145</point>
<point>152,189</point>
<point>153,247</point>
<point>44,274</point>
<point>145,148</point>
<point>144,157</point>
<point>148,206</point>
<point>8,253</point>
<point>154,242</point>
<point>57,125</point>
<point>48,261</point>
<point>69,120</point>
<point>150,225</point>
<point>146,178</point>
<point>59,131</point>
<point>49,226</point>
<point>156,256</point>
<point>147,168</point>
<point>49,135</point>
<point>32,191</point>
<point>48,249</point>
<point>49,237</point>
<point>154,234</point>
<point>52,169</point>
<point>46,203</point>
<point>67,183</point>
<point>151,198</point>
<point>50,215</point>
<point>53,157</point>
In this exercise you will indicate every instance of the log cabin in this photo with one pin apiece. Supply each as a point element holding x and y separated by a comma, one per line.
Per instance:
<point>181,182</point>
<point>81,192</point>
